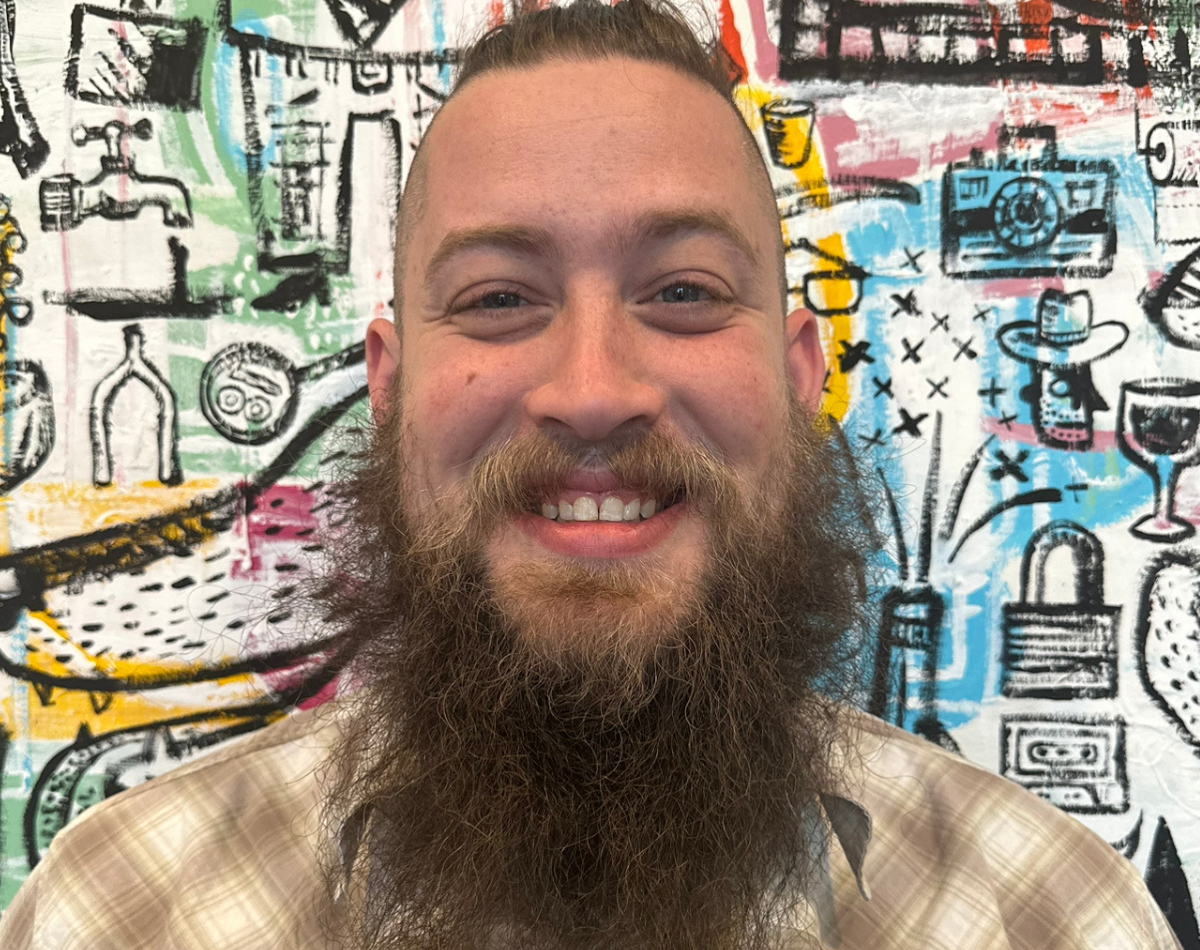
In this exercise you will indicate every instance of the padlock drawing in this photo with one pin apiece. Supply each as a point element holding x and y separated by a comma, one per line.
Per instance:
<point>1061,650</point>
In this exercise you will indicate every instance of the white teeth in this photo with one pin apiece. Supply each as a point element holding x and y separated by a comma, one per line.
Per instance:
<point>611,509</point>
<point>586,509</point>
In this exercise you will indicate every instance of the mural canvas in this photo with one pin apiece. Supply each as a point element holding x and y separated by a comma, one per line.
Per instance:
<point>994,208</point>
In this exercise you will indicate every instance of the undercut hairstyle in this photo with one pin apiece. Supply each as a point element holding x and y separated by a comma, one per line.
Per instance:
<point>651,31</point>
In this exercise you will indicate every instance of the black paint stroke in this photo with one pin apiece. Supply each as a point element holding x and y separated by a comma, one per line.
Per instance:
<point>168,76</point>
<point>1168,885</point>
<point>929,502</point>
<point>897,530</point>
<point>959,491</point>
<point>19,135</point>
<point>1037,497</point>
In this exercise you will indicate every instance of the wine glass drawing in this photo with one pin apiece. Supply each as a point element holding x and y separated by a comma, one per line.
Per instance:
<point>1158,429</point>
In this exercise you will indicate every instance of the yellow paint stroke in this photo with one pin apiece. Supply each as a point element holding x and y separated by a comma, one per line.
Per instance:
<point>68,708</point>
<point>65,510</point>
<point>813,183</point>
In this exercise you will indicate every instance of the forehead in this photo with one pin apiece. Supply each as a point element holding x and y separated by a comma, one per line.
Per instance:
<point>574,142</point>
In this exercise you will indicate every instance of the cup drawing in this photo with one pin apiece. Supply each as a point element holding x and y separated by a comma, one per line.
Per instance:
<point>789,127</point>
<point>1158,424</point>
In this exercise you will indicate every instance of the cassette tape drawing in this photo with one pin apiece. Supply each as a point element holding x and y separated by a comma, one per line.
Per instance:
<point>1028,212</point>
<point>1074,762</point>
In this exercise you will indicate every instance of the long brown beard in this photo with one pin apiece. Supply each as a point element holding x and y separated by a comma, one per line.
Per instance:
<point>598,759</point>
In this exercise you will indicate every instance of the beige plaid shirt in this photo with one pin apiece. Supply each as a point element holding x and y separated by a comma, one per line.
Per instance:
<point>932,852</point>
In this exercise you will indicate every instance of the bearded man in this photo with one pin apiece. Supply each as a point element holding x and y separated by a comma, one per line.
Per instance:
<point>605,569</point>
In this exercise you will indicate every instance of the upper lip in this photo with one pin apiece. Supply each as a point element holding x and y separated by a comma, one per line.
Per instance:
<point>591,480</point>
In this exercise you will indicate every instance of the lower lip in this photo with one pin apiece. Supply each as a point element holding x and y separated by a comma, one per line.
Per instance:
<point>601,539</point>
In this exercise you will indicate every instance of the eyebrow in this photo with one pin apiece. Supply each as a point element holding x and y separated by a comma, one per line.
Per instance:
<point>651,227</point>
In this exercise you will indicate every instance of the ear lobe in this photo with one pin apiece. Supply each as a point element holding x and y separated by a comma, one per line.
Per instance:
<point>383,359</point>
<point>805,358</point>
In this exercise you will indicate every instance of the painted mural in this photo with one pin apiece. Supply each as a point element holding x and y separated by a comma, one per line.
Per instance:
<point>994,208</point>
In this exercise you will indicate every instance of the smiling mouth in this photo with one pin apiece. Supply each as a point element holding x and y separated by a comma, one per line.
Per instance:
<point>609,507</point>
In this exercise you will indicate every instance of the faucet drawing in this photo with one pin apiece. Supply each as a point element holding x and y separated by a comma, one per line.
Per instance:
<point>134,366</point>
<point>119,191</point>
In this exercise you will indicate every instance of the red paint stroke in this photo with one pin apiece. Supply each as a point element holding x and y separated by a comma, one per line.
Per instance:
<point>731,40</point>
<point>1019,287</point>
<point>495,16</point>
<point>1025,434</point>
<point>1036,15</point>
<point>271,530</point>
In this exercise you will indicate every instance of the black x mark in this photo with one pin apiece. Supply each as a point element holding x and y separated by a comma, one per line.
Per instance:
<point>911,353</point>
<point>883,387</point>
<point>938,389</point>
<point>906,304</point>
<point>1009,467</point>
<point>1007,420</point>
<point>909,425</point>
<point>940,322</point>
<point>852,354</point>
<point>876,438</point>
<point>913,258</point>
<point>964,348</point>
<point>982,313</point>
<point>991,391</point>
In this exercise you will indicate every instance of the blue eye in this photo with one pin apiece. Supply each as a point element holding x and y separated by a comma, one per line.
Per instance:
<point>499,300</point>
<point>683,293</point>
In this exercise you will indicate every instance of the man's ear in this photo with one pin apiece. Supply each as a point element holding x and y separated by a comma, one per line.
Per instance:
<point>805,358</point>
<point>383,360</point>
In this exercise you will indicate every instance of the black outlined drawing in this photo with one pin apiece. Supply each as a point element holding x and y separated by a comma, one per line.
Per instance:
<point>834,286</point>
<point>19,135</point>
<point>119,191</point>
<point>1060,348</point>
<point>818,194</point>
<point>1158,429</point>
<point>960,44</point>
<point>134,366</point>
<point>71,577</point>
<point>28,411</point>
<point>1173,306</point>
<point>1168,885</point>
<point>1061,650</point>
<point>93,768</point>
<point>132,58</point>
<point>1074,762</point>
<point>13,306</point>
<point>789,125</point>
<point>249,392</point>
<point>1167,639</point>
<point>362,21</point>
<point>1028,212</point>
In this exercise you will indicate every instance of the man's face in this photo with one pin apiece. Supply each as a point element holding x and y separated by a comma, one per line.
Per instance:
<point>595,260</point>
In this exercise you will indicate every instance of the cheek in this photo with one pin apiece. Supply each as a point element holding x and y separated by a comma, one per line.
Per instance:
<point>732,393</point>
<point>457,408</point>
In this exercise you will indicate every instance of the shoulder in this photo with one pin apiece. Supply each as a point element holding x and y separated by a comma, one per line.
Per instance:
<point>172,851</point>
<point>965,831</point>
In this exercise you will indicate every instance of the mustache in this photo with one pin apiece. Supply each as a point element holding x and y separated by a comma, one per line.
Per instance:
<point>521,473</point>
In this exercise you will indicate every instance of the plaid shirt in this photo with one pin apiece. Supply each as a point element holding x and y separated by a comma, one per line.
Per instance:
<point>932,852</point>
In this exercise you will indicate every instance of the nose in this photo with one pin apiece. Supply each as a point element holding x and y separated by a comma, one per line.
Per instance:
<point>597,382</point>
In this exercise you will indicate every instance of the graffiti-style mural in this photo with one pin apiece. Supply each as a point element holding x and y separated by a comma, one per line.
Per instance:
<point>994,210</point>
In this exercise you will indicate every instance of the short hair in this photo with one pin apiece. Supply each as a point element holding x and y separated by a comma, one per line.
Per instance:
<point>652,31</point>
